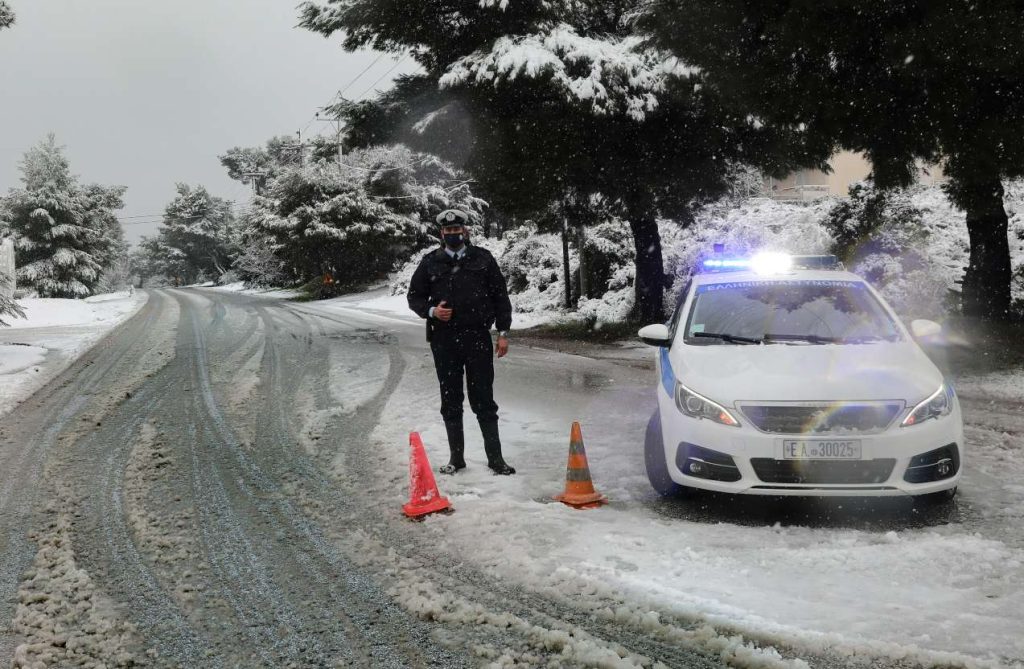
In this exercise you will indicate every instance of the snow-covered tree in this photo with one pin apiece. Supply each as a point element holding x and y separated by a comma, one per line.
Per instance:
<point>325,225</point>
<point>933,81</point>
<point>158,263</point>
<point>8,307</point>
<point>351,220</point>
<point>262,164</point>
<point>544,101</point>
<point>198,236</point>
<point>6,15</point>
<point>64,233</point>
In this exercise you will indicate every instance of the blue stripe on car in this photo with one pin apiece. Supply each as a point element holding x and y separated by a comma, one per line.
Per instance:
<point>668,379</point>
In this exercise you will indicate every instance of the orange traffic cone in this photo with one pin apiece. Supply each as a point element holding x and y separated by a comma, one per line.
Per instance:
<point>424,496</point>
<point>579,489</point>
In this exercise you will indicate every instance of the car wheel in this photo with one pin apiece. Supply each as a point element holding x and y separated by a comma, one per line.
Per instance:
<point>936,498</point>
<point>654,459</point>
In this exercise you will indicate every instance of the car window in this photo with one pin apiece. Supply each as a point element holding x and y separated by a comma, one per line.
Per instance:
<point>781,311</point>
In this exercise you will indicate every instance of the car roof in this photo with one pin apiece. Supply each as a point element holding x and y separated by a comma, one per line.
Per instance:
<point>790,275</point>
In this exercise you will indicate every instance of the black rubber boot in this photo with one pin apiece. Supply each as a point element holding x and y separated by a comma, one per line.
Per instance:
<point>492,447</point>
<point>457,446</point>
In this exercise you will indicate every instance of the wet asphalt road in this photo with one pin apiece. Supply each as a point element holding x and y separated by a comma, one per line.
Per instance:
<point>161,505</point>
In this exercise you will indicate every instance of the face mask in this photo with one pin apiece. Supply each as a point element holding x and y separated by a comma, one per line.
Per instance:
<point>454,242</point>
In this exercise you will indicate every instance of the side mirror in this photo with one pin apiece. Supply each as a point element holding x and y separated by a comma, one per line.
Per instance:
<point>922,329</point>
<point>655,335</point>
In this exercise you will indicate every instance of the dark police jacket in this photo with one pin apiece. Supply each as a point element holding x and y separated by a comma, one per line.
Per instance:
<point>472,286</point>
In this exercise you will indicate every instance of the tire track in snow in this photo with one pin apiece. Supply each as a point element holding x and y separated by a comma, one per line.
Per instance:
<point>31,432</point>
<point>300,574</point>
<point>543,619</point>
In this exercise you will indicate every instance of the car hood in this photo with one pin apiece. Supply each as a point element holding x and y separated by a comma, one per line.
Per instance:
<point>795,373</point>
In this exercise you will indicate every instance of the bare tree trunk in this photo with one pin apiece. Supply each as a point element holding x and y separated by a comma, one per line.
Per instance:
<point>650,272</point>
<point>987,280</point>
<point>581,244</point>
<point>566,274</point>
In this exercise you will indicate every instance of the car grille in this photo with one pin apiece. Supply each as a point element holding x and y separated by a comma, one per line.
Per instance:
<point>836,418</point>
<point>823,471</point>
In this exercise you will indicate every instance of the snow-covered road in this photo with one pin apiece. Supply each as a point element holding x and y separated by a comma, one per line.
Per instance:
<point>220,483</point>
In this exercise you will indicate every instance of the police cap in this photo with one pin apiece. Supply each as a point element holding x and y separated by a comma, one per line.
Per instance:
<point>452,217</point>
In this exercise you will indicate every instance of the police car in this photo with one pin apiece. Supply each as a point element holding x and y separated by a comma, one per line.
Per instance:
<point>787,375</point>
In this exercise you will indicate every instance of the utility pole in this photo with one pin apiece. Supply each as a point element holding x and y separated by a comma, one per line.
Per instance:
<point>298,147</point>
<point>339,128</point>
<point>255,178</point>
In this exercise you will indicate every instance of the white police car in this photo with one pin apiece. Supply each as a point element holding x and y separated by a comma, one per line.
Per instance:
<point>786,375</point>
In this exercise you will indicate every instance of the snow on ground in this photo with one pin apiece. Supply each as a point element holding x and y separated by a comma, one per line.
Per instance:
<point>240,287</point>
<point>861,579</point>
<point>54,333</point>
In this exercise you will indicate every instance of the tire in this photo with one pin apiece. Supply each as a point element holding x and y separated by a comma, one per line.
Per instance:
<point>654,459</point>
<point>936,498</point>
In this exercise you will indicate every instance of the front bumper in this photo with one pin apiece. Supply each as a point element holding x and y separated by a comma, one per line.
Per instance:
<point>886,458</point>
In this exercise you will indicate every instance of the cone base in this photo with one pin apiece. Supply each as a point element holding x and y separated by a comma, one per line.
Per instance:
<point>585,501</point>
<point>433,506</point>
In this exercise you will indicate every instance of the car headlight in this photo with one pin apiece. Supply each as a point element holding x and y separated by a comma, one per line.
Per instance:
<point>939,403</point>
<point>698,406</point>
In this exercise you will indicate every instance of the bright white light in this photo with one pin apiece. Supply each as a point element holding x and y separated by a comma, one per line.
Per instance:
<point>771,263</point>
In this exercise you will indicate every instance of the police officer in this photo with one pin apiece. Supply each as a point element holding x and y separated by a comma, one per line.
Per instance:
<point>459,289</point>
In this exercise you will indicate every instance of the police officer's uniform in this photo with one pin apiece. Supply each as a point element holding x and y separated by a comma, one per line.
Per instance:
<point>471,284</point>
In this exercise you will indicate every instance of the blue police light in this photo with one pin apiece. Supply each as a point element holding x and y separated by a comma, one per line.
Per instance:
<point>770,262</point>
<point>723,263</point>
<point>762,263</point>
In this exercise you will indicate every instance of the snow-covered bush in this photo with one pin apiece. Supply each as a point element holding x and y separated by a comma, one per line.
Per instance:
<point>609,254</point>
<point>884,237</point>
<point>156,281</point>
<point>119,276</point>
<point>258,266</point>
<point>532,265</point>
<point>910,244</point>
<point>227,278</point>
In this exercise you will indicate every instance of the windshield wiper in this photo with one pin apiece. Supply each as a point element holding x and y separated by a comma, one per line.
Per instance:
<point>814,339</point>
<point>865,339</point>
<point>732,339</point>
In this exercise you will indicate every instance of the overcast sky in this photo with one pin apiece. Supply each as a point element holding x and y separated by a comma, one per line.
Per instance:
<point>146,94</point>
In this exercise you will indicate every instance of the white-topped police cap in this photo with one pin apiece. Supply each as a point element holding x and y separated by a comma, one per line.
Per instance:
<point>452,217</point>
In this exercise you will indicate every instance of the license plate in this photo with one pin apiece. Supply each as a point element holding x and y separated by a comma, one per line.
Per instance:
<point>821,449</point>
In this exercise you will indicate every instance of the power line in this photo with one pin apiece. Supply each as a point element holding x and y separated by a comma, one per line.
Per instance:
<point>359,76</point>
<point>378,80</point>
<point>349,85</point>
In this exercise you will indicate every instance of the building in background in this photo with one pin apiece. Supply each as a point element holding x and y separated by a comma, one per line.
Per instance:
<point>847,168</point>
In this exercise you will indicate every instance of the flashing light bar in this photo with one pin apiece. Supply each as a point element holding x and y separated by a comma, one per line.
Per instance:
<point>772,263</point>
<point>720,263</point>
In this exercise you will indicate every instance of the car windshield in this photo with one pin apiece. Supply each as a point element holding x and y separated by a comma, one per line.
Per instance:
<point>770,312</point>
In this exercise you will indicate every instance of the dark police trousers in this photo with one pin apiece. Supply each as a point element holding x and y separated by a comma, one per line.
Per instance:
<point>468,352</point>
